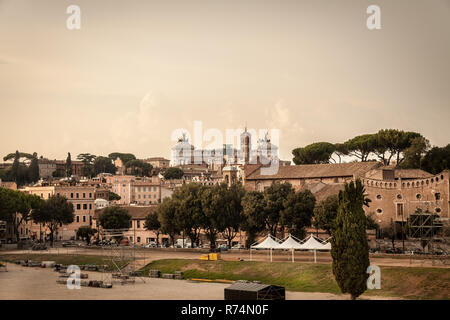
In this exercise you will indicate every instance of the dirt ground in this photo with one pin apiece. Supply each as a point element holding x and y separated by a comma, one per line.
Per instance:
<point>40,284</point>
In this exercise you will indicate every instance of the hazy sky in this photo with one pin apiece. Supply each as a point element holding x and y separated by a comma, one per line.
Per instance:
<point>137,70</point>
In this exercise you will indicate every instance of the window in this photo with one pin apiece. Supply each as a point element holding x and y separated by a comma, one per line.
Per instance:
<point>84,206</point>
<point>399,196</point>
<point>399,209</point>
<point>437,195</point>
<point>154,188</point>
<point>84,195</point>
<point>78,195</point>
<point>418,196</point>
<point>90,206</point>
<point>138,223</point>
<point>84,218</point>
<point>379,196</point>
<point>78,206</point>
<point>78,218</point>
<point>138,239</point>
<point>90,194</point>
<point>154,196</point>
<point>379,211</point>
<point>71,195</point>
<point>438,210</point>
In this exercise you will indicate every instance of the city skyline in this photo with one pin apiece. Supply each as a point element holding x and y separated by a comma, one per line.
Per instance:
<point>135,72</point>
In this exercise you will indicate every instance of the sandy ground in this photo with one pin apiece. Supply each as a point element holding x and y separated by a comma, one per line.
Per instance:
<point>38,283</point>
<point>147,255</point>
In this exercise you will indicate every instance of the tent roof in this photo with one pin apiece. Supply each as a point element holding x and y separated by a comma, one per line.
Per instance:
<point>290,243</point>
<point>268,243</point>
<point>311,244</point>
<point>327,246</point>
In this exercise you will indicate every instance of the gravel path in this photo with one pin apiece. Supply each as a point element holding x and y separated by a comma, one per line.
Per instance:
<point>38,283</point>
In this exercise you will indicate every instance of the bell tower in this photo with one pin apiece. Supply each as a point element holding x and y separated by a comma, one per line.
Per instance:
<point>246,145</point>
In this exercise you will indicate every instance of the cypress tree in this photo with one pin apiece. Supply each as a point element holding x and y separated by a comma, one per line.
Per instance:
<point>68,165</point>
<point>349,247</point>
<point>34,169</point>
<point>15,170</point>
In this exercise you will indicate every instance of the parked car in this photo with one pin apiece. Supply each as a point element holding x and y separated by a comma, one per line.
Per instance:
<point>238,246</point>
<point>151,244</point>
<point>124,242</point>
<point>223,247</point>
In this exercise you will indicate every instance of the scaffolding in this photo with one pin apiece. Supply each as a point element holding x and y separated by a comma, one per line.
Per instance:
<point>426,227</point>
<point>119,262</point>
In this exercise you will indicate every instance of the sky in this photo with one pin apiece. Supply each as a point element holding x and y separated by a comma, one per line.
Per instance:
<point>136,71</point>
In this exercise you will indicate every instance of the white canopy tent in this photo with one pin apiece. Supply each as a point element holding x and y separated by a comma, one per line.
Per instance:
<point>310,243</point>
<point>292,243</point>
<point>270,242</point>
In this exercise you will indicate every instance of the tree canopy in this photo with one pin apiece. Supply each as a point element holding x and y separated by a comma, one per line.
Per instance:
<point>54,211</point>
<point>173,173</point>
<point>103,165</point>
<point>139,168</point>
<point>124,157</point>
<point>319,152</point>
<point>115,218</point>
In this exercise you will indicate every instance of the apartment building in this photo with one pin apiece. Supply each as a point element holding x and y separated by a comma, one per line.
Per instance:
<point>82,198</point>
<point>135,190</point>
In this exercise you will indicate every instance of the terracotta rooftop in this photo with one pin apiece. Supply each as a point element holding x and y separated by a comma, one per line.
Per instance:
<point>398,173</point>
<point>136,212</point>
<point>317,171</point>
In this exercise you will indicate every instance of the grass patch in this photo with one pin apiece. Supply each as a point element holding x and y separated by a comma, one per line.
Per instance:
<point>65,259</point>
<point>404,282</point>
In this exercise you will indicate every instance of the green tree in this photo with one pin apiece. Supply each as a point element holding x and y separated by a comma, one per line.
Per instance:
<point>104,165</point>
<point>15,170</point>
<point>69,165</point>
<point>349,247</point>
<point>167,216</point>
<point>152,223</point>
<point>340,149</point>
<point>21,155</point>
<point>361,146</point>
<point>392,143</point>
<point>414,154</point>
<point>113,196</point>
<point>115,218</point>
<point>124,157</point>
<point>17,207</point>
<point>54,212</point>
<point>233,216</point>
<point>298,212</point>
<point>139,168</point>
<point>325,213</point>
<point>275,201</point>
<point>173,173</point>
<point>319,152</point>
<point>253,205</point>
<point>437,160</point>
<point>88,163</point>
<point>85,233</point>
<point>189,213</point>
<point>33,170</point>
<point>213,204</point>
